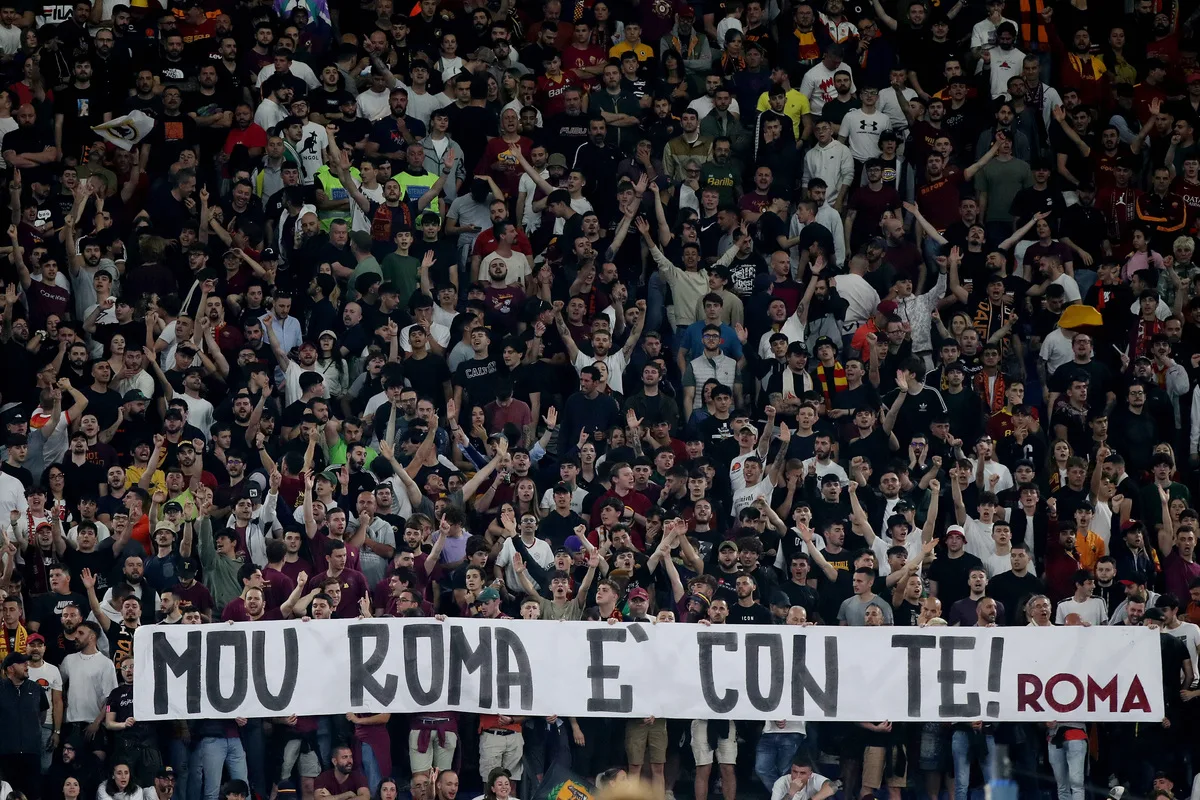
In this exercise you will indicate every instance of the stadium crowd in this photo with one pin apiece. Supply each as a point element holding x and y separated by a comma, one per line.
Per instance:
<point>744,312</point>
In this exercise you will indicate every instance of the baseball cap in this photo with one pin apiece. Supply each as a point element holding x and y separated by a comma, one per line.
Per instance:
<point>780,598</point>
<point>134,396</point>
<point>687,12</point>
<point>14,658</point>
<point>562,488</point>
<point>169,772</point>
<point>35,637</point>
<point>1134,579</point>
<point>830,477</point>
<point>487,595</point>
<point>638,593</point>
<point>727,545</point>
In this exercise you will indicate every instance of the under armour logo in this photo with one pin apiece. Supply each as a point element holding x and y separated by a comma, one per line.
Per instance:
<point>862,126</point>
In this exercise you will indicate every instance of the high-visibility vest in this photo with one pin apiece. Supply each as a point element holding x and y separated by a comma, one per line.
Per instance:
<point>333,190</point>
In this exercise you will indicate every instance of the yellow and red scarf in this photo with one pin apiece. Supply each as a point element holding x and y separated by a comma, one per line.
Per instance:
<point>19,643</point>
<point>839,381</point>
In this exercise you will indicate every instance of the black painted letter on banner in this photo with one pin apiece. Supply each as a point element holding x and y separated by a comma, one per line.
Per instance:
<point>948,677</point>
<point>362,673</point>
<point>599,672</point>
<point>214,643</point>
<point>291,667</point>
<point>437,662</point>
<point>187,663</point>
<point>707,641</point>
<point>512,670</point>
<point>464,658</point>
<point>805,685</point>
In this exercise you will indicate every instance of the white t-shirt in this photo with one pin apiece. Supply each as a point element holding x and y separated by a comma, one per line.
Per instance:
<point>517,263</point>
<point>780,790</point>
<point>860,297</point>
<point>292,389</point>
<point>50,679</point>
<point>541,551</point>
<point>1056,350</point>
<point>529,217</point>
<point>358,219</point>
<point>1070,287</point>
<point>984,33</point>
<point>200,413</point>
<point>817,85</point>
<point>989,469</point>
<point>1091,611</point>
<point>1190,634</point>
<point>374,105</point>
<point>861,131</point>
<point>746,496</point>
<point>441,335</point>
<point>616,363</point>
<point>89,680</point>
<point>298,69</point>
<point>421,106</point>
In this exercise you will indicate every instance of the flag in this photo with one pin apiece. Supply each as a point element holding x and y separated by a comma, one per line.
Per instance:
<point>126,131</point>
<point>560,783</point>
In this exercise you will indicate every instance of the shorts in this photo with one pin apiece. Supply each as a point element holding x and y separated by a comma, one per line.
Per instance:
<point>295,752</point>
<point>702,751</point>
<point>874,767</point>
<point>646,743</point>
<point>435,755</point>
<point>496,750</point>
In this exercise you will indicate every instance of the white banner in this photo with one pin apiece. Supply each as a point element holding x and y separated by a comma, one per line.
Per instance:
<point>126,131</point>
<point>741,672</point>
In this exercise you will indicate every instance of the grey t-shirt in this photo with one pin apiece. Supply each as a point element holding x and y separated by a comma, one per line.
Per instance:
<point>854,611</point>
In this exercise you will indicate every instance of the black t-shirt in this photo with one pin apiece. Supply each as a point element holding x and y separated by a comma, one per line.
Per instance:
<point>471,127</point>
<point>477,377</point>
<point>20,473</point>
<point>426,375</point>
<point>816,232</point>
<point>81,109</point>
<point>917,412</point>
<point>950,574</point>
<point>325,102</point>
<point>103,404</point>
<point>906,614</point>
<point>170,137</point>
<point>752,615</point>
<point>100,561</point>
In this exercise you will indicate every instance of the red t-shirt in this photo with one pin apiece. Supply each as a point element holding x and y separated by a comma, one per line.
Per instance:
<point>485,244</point>
<point>328,780</point>
<point>938,199</point>
<point>499,162</point>
<point>575,57</point>
<point>550,93</point>
<point>253,136</point>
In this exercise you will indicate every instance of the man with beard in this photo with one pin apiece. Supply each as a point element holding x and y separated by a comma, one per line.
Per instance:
<point>132,578</point>
<point>119,632</point>
<point>77,108</point>
<point>29,146</point>
<point>67,640</point>
<point>84,477</point>
<point>342,781</point>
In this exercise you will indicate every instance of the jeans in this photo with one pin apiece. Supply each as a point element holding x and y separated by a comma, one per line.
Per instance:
<point>370,768</point>
<point>255,746</point>
<point>960,746</point>
<point>178,757</point>
<point>656,293</point>
<point>47,750</point>
<point>1069,762</point>
<point>213,754</point>
<point>774,754</point>
<point>1086,279</point>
